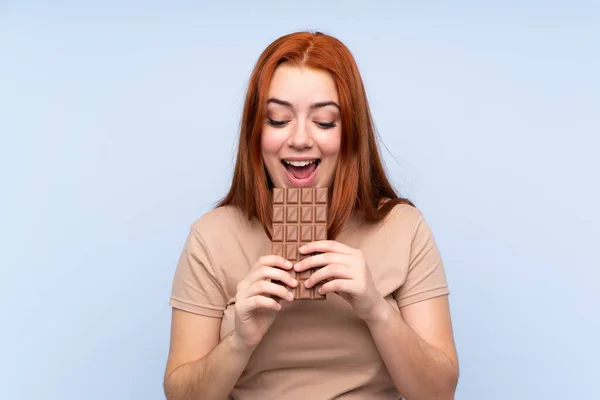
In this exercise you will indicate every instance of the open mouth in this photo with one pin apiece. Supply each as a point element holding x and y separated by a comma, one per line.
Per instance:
<point>301,173</point>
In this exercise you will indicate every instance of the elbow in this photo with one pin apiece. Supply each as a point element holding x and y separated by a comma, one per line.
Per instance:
<point>170,387</point>
<point>443,388</point>
<point>438,395</point>
<point>451,384</point>
<point>176,386</point>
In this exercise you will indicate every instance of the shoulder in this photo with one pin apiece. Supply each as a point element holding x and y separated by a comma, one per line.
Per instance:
<point>407,224</point>
<point>224,225</point>
<point>228,234</point>
<point>231,242</point>
<point>403,217</point>
<point>220,220</point>
<point>394,232</point>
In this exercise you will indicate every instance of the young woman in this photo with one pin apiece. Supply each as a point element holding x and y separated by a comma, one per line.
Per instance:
<point>384,330</point>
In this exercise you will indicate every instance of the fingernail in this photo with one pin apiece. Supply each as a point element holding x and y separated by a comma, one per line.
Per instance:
<point>289,263</point>
<point>302,248</point>
<point>294,281</point>
<point>290,295</point>
<point>296,265</point>
<point>306,284</point>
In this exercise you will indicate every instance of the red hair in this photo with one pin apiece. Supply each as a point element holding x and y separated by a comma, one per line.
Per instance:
<point>360,182</point>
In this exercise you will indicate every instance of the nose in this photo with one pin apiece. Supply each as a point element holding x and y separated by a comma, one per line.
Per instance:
<point>299,137</point>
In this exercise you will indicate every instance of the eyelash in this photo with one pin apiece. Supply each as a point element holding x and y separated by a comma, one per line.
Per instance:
<point>280,124</point>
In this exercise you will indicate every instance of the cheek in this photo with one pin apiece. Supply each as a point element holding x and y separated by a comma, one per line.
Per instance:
<point>269,143</point>
<point>331,143</point>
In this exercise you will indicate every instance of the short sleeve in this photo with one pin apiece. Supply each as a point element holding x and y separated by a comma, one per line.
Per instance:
<point>426,277</point>
<point>196,288</point>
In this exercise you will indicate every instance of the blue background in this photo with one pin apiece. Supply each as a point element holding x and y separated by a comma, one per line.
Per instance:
<point>118,125</point>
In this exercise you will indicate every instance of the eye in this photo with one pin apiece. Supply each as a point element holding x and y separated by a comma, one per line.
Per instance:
<point>326,125</point>
<point>275,123</point>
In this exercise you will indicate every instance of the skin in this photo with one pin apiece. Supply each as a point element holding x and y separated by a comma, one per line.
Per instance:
<point>307,127</point>
<point>416,345</point>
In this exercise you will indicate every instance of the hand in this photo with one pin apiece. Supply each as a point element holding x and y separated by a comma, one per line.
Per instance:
<point>257,299</point>
<point>346,273</point>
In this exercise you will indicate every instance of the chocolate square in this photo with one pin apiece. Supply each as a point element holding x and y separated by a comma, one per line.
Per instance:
<point>299,217</point>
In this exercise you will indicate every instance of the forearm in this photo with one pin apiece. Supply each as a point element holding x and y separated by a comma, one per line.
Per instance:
<point>211,377</point>
<point>418,370</point>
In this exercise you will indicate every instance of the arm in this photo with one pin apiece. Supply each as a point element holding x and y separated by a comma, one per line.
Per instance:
<point>198,365</point>
<point>416,344</point>
<point>417,347</point>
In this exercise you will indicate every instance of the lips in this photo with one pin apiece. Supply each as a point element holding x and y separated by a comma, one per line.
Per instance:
<point>301,173</point>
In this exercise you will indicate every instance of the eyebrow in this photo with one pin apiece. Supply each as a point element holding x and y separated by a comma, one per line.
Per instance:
<point>312,106</point>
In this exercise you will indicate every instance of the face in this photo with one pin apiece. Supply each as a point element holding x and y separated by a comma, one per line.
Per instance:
<point>302,132</point>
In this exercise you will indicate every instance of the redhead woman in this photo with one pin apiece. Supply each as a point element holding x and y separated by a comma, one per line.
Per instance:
<point>384,329</point>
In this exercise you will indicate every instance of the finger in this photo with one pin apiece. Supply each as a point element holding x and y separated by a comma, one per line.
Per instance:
<point>272,273</point>
<point>337,285</point>
<point>326,246</point>
<point>273,261</point>
<point>259,302</point>
<point>321,260</point>
<point>267,288</point>
<point>329,272</point>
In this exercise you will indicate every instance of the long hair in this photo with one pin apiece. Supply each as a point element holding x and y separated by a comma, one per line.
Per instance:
<point>360,182</point>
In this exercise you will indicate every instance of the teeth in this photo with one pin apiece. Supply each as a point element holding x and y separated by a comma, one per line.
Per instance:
<point>299,163</point>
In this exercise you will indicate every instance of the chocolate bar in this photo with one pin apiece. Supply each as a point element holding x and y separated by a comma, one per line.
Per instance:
<point>299,217</point>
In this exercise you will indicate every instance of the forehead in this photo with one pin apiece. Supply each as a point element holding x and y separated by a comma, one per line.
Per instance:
<point>301,86</point>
